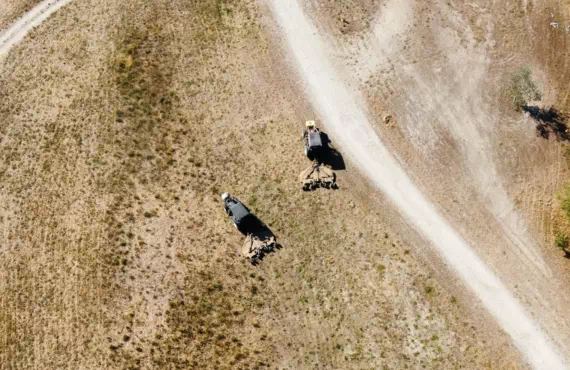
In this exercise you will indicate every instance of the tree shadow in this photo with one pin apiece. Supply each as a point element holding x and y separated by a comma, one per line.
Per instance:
<point>330,156</point>
<point>549,122</point>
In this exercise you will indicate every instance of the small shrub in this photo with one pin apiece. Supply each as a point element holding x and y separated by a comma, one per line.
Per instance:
<point>561,241</point>
<point>380,268</point>
<point>522,88</point>
<point>564,198</point>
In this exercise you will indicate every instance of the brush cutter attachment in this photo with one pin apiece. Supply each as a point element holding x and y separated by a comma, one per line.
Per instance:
<point>257,245</point>
<point>318,175</point>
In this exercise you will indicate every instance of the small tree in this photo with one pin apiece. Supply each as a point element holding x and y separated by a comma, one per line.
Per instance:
<point>562,242</point>
<point>522,88</point>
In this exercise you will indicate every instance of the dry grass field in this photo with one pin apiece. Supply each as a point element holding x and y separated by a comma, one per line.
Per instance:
<point>121,122</point>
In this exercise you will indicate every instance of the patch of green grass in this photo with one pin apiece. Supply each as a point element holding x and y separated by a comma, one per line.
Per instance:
<point>209,319</point>
<point>252,201</point>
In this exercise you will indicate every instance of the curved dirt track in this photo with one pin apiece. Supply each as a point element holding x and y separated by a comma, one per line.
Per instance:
<point>17,31</point>
<point>347,119</point>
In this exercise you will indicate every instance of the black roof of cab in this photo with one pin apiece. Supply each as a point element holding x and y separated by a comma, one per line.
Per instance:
<point>315,139</point>
<point>239,212</point>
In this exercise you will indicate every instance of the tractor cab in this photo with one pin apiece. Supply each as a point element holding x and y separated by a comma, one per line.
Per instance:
<point>313,140</point>
<point>240,215</point>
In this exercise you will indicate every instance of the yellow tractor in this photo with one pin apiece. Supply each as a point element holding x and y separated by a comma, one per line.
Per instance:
<point>316,146</point>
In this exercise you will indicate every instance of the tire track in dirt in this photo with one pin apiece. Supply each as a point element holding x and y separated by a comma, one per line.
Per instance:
<point>347,119</point>
<point>17,31</point>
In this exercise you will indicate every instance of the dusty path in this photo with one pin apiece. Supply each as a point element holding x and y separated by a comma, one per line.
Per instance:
<point>347,120</point>
<point>16,32</point>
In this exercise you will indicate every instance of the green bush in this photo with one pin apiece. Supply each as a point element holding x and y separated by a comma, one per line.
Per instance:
<point>564,198</point>
<point>522,88</point>
<point>561,241</point>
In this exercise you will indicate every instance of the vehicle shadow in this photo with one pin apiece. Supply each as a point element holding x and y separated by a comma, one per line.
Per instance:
<point>549,122</point>
<point>330,156</point>
<point>253,225</point>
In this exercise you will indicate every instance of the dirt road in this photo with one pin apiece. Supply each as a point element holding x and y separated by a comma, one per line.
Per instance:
<point>17,31</point>
<point>346,117</point>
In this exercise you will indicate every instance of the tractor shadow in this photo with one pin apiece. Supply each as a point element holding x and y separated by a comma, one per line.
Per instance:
<point>253,226</point>
<point>549,122</point>
<point>330,156</point>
